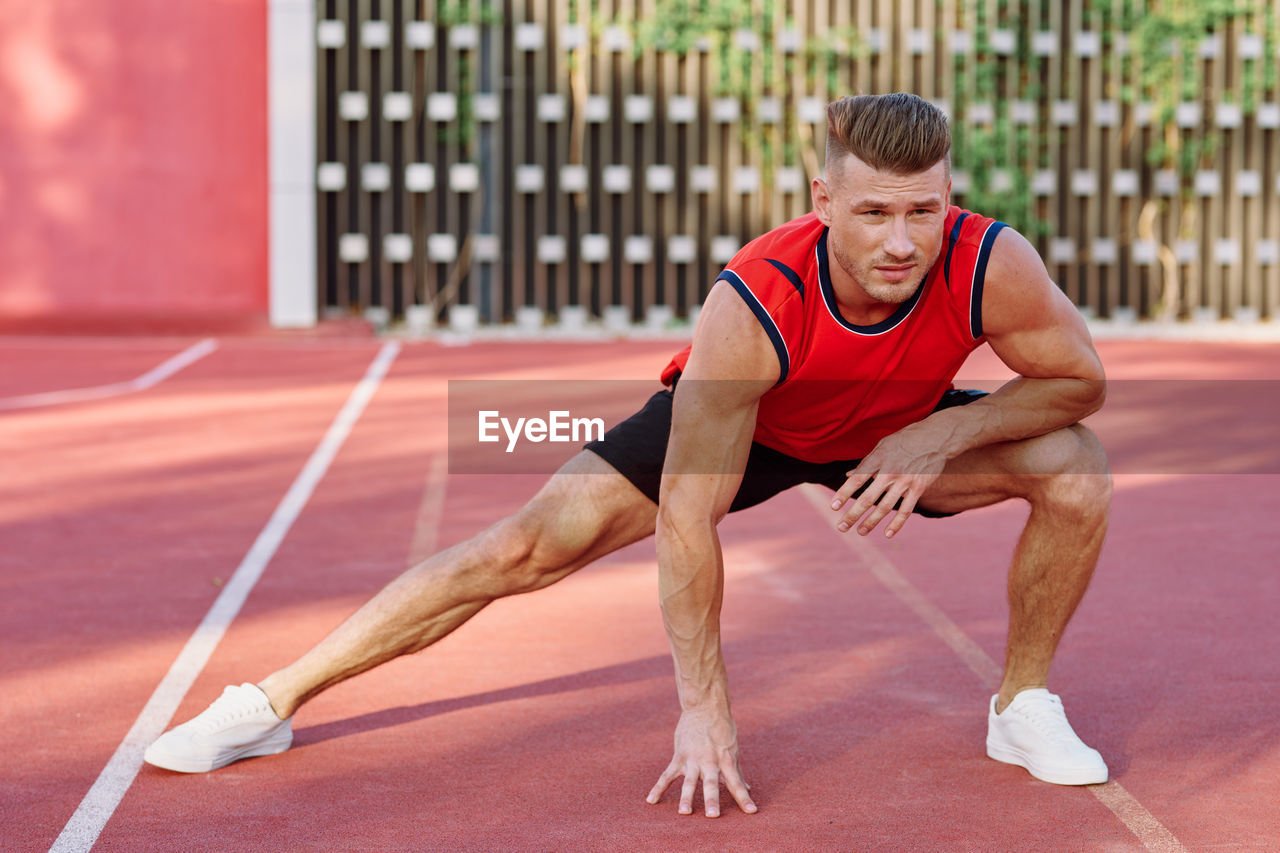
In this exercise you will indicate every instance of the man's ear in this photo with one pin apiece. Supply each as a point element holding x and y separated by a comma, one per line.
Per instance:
<point>821,200</point>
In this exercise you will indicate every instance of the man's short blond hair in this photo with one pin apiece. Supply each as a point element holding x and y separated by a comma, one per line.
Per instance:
<point>900,133</point>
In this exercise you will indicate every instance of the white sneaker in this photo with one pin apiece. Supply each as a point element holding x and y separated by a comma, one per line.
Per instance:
<point>239,724</point>
<point>1033,732</point>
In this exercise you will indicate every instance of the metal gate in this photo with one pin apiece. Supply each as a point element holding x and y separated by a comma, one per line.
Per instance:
<point>576,160</point>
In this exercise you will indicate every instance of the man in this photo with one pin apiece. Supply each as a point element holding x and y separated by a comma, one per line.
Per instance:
<point>829,340</point>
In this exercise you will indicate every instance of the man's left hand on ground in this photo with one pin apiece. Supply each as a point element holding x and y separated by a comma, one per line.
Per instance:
<point>706,749</point>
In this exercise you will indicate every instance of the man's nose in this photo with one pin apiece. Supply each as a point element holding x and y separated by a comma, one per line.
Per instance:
<point>898,242</point>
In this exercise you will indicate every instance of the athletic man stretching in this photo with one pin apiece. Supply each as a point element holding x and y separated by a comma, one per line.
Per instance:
<point>831,339</point>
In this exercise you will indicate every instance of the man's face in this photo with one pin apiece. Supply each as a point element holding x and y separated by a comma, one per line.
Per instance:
<point>886,229</point>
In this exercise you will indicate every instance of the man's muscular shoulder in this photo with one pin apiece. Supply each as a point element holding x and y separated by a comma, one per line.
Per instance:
<point>729,342</point>
<point>1018,293</point>
<point>1028,320</point>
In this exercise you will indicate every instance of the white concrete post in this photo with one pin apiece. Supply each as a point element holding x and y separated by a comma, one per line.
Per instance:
<point>291,98</point>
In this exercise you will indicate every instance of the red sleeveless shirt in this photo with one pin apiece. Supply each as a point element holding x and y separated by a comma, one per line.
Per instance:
<point>844,387</point>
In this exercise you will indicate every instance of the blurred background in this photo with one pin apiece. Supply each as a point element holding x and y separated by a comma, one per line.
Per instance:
<point>232,165</point>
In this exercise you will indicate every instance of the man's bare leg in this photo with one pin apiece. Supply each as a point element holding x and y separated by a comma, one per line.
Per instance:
<point>1052,567</point>
<point>1064,476</point>
<point>585,511</point>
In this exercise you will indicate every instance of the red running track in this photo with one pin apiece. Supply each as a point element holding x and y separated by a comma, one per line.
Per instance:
<point>542,724</point>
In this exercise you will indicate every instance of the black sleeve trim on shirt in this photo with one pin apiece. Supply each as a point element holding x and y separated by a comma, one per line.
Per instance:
<point>770,327</point>
<point>979,275</point>
<point>951,246</point>
<point>791,275</point>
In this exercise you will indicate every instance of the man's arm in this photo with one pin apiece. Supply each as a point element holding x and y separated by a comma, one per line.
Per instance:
<point>1037,332</point>
<point>732,364</point>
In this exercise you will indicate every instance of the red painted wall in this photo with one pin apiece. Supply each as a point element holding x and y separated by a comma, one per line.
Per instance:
<point>133,164</point>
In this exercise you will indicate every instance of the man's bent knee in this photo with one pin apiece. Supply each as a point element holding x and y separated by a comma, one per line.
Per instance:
<point>1071,471</point>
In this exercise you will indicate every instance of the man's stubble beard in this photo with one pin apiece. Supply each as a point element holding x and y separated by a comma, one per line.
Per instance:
<point>888,294</point>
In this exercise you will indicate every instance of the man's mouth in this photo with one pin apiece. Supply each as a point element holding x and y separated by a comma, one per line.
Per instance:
<point>896,272</point>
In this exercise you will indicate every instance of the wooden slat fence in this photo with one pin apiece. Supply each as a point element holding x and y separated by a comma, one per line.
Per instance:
<point>577,160</point>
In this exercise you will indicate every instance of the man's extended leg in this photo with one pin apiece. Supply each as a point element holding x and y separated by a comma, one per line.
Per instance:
<point>585,511</point>
<point>1064,477</point>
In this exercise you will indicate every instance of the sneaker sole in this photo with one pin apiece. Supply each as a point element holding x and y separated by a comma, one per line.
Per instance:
<point>273,745</point>
<point>1057,776</point>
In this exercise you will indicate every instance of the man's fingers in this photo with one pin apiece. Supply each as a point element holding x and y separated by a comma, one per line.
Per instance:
<point>881,509</point>
<point>711,791</point>
<point>904,513</point>
<point>686,792</point>
<point>873,518</point>
<point>865,501</point>
<point>664,781</point>
<point>857,478</point>
<point>709,764</point>
<point>740,790</point>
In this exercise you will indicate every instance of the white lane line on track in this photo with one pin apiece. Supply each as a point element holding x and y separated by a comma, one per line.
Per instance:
<point>82,830</point>
<point>1153,834</point>
<point>426,526</point>
<point>1150,832</point>
<point>152,377</point>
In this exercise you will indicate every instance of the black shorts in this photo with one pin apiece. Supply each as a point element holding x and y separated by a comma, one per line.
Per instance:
<point>638,446</point>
